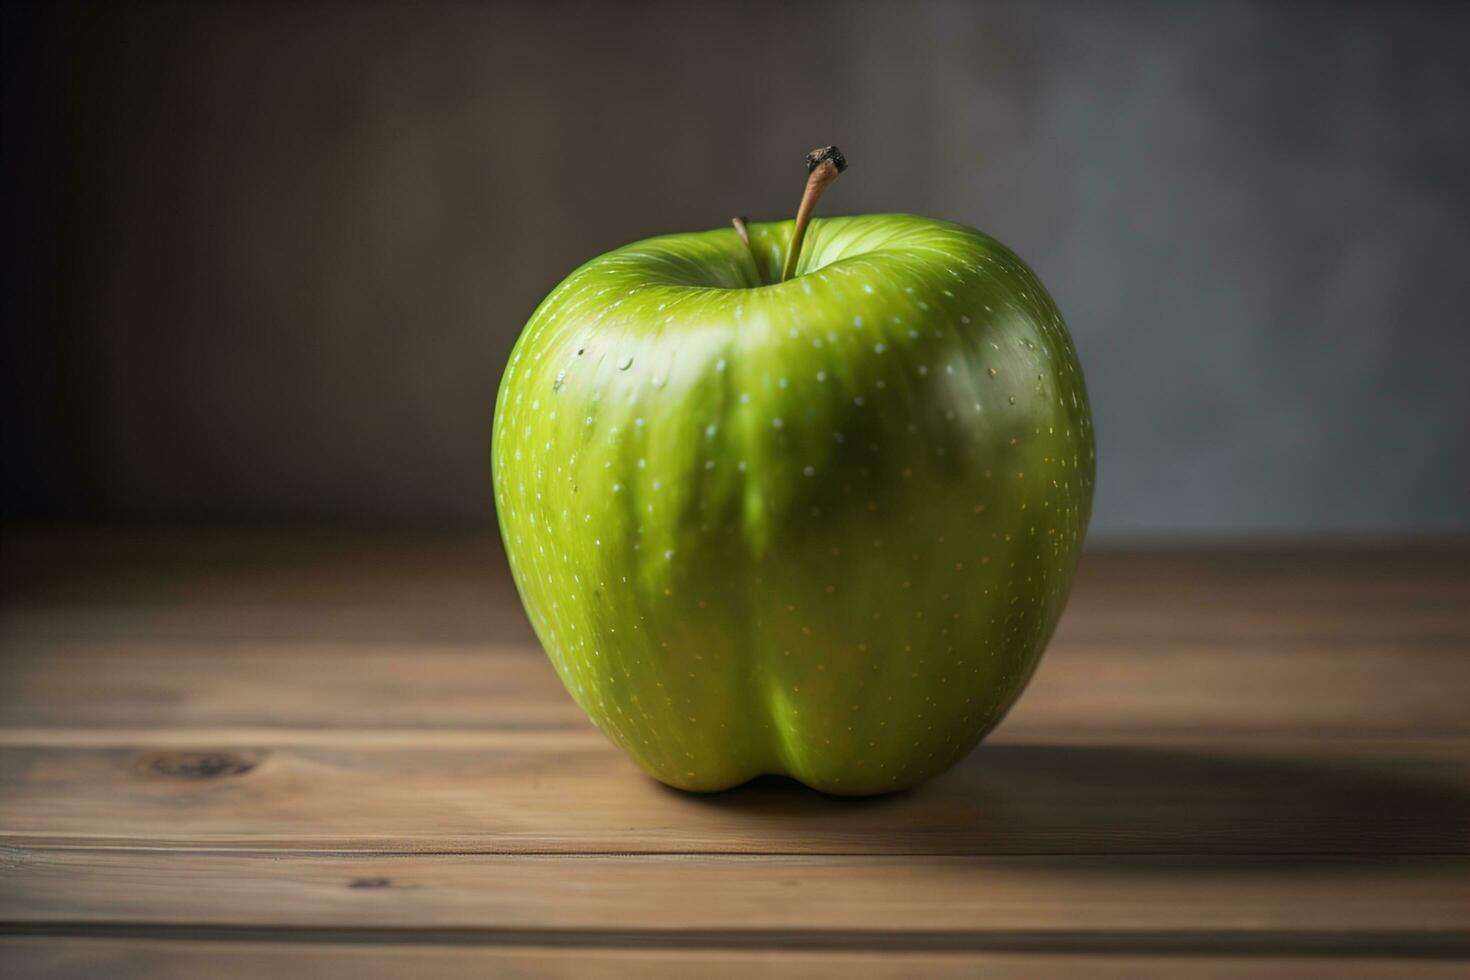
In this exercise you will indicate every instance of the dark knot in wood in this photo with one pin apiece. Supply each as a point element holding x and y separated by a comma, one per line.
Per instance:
<point>200,765</point>
<point>371,883</point>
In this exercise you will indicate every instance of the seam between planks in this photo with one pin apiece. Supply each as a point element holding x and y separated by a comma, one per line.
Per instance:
<point>1231,942</point>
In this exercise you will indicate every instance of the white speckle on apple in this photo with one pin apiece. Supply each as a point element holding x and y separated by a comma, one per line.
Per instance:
<point>777,423</point>
<point>809,471</point>
<point>879,348</point>
<point>710,430</point>
<point>821,375</point>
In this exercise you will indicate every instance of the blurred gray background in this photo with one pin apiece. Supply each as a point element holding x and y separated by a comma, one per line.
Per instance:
<point>266,262</point>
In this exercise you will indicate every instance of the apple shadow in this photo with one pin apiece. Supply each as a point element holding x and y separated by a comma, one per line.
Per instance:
<point>1025,798</point>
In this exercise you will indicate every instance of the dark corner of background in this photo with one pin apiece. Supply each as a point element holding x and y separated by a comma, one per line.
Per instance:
<point>49,190</point>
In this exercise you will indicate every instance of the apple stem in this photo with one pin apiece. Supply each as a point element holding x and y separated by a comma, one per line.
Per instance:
<point>822,166</point>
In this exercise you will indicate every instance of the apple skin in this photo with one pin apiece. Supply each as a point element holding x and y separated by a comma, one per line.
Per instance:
<point>821,528</point>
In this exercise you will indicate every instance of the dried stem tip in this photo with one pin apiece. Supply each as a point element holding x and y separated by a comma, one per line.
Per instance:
<point>826,154</point>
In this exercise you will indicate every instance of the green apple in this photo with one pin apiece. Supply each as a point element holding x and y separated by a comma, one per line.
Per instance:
<point>820,527</point>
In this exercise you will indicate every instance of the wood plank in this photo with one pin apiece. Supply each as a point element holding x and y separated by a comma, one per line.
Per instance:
<point>143,685</point>
<point>154,959</point>
<point>573,792</point>
<point>1250,760</point>
<point>974,902</point>
<point>298,584</point>
<point>1252,688</point>
<point>257,584</point>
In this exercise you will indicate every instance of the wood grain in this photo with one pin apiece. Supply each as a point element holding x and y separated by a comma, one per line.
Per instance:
<point>911,900</point>
<point>573,792</point>
<point>1246,689</point>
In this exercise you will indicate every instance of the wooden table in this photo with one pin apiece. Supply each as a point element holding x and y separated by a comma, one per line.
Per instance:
<point>314,754</point>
